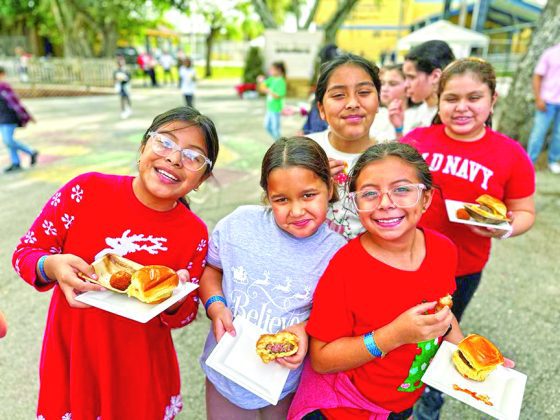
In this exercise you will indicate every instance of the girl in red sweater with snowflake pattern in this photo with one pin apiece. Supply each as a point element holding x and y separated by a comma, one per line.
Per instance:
<point>95,364</point>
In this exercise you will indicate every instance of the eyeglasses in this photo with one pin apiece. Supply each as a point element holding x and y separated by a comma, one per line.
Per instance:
<point>402,196</point>
<point>164,146</point>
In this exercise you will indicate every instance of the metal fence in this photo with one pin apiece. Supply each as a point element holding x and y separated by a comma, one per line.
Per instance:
<point>64,71</point>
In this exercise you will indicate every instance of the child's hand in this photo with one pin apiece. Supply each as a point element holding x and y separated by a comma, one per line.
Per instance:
<point>64,268</point>
<point>414,325</point>
<point>260,78</point>
<point>509,363</point>
<point>293,362</point>
<point>184,277</point>
<point>336,166</point>
<point>222,320</point>
<point>396,113</point>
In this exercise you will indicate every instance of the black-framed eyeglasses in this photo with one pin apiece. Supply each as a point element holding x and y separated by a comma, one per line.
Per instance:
<point>192,159</point>
<point>402,196</point>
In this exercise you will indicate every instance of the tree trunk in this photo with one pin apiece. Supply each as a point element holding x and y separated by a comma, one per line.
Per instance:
<point>338,18</point>
<point>516,110</point>
<point>312,14</point>
<point>264,13</point>
<point>209,45</point>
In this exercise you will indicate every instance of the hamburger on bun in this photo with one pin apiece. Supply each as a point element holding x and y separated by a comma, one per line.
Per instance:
<point>488,210</point>
<point>153,283</point>
<point>476,357</point>
<point>273,346</point>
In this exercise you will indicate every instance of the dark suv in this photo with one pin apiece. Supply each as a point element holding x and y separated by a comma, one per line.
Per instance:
<point>129,53</point>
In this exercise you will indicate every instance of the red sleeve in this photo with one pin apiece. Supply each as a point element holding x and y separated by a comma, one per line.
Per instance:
<point>521,182</point>
<point>330,317</point>
<point>48,233</point>
<point>188,310</point>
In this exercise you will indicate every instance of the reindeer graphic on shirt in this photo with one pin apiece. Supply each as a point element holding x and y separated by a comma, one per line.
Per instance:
<point>128,243</point>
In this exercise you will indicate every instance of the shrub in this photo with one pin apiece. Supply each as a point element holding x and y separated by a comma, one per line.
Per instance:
<point>253,65</point>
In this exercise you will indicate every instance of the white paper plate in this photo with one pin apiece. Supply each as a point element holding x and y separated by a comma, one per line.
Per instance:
<point>504,386</point>
<point>236,358</point>
<point>132,308</point>
<point>452,206</point>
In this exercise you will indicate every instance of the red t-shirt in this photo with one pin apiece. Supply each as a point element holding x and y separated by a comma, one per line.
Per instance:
<point>358,294</point>
<point>95,363</point>
<point>495,165</point>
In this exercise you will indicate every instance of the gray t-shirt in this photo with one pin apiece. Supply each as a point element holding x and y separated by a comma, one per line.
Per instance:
<point>269,277</point>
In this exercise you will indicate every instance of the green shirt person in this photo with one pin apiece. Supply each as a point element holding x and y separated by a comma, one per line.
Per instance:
<point>275,89</point>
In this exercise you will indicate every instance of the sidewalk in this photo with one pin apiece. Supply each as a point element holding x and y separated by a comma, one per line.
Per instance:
<point>516,305</point>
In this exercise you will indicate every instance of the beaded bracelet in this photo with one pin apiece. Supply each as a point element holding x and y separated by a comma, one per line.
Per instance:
<point>372,346</point>
<point>212,299</point>
<point>41,266</point>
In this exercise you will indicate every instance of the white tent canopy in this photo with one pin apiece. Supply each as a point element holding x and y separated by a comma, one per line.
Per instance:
<point>461,40</point>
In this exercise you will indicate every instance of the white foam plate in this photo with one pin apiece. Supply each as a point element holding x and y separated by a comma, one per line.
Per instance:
<point>504,386</point>
<point>452,206</point>
<point>132,308</point>
<point>236,358</point>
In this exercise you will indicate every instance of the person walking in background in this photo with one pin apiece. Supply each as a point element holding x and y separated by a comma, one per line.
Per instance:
<point>23,63</point>
<point>187,81</point>
<point>546,86</point>
<point>12,115</point>
<point>275,88</point>
<point>166,61</point>
<point>122,86</point>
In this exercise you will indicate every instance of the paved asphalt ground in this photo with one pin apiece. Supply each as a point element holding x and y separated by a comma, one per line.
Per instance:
<point>516,305</point>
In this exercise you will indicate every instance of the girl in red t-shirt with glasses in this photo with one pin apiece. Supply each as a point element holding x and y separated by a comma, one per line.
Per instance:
<point>373,328</point>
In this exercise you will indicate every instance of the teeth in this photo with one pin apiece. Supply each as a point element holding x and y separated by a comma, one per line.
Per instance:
<point>389,220</point>
<point>167,174</point>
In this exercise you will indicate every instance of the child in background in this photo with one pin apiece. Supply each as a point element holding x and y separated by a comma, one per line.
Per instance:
<point>347,97</point>
<point>95,364</point>
<point>422,69</point>
<point>187,81</point>
<point>372,327</point>
<point>264,263</point>
<point>275,89</point>
<point>393,94</point>
<point>467,159</point>
<point>122,85</point>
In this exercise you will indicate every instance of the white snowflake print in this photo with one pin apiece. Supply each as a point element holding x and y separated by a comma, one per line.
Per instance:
<point>201,245</point>
<point>194,280</point>
<point>189,266</point>
<point>55,250</point>
<point>67,416</point>
<point>203,263</point>
<point>40,417</point>
<point>49,228</point>
<point>174,407</point>
<point>67,220</point>
<point>30,238</point>
<point>18,270</point>
<point>55,200</point>
<point>77,194</point>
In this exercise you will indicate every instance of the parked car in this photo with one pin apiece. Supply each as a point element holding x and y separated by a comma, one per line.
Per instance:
<point>130,55</point>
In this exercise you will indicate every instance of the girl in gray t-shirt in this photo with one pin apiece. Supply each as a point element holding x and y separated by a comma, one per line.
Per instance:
<point>264,263</point>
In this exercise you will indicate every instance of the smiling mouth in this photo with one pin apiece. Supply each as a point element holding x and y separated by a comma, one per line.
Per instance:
<point>167,175</point>
<point>389,222</point>
<point>301,223</point>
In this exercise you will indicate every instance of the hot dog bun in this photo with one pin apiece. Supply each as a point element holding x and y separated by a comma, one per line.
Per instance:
<point>153,283</point>
<point>273,346</point>
<point>476,357</point>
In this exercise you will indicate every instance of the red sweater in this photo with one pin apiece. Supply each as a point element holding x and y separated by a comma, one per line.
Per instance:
<point>95,363</point>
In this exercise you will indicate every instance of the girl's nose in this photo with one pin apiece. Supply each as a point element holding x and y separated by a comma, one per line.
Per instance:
<point>352,101</point>
<point>385,201</point>
<point>175,158</point>
<point>297,209</point>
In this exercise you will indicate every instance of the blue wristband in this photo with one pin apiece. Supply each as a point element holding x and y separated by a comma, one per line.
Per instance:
<point>212,299</point>
<point>41,265</point>
<point>371,346</point>
<point>399,130</point>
